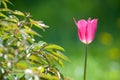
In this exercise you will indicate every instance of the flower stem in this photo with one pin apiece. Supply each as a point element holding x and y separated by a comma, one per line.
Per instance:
<point>85,63</point>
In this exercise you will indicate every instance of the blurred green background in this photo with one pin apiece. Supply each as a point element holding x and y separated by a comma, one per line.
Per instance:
<point>103,52</point>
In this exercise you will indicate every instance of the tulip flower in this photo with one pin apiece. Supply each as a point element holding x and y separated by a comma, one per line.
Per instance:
<point>86,33</point>
<point>86,30</point>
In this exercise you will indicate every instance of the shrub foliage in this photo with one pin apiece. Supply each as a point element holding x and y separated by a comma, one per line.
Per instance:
<point>21,56</point>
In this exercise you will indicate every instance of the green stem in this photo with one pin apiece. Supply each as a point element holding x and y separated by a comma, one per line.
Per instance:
<point>85,63</point>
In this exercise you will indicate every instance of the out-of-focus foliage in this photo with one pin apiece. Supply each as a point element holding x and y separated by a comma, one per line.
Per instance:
<point>21,57</point>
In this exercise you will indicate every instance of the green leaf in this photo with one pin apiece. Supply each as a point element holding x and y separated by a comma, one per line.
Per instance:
<point>5,10</point>
<point>30,31</point>
<point>47,77</point>
<point>35,47</point>
<point>34,59</point>
<point>59,61</point>
<point>38,24</point>
<point>39,45</point>
<point>37,60</point>
<point>60,55</point>
<point>2,15</point>
<point>8,2</point>
<point>13,18</point>
<point>53,46</point>
<point>47,58</point>
<point>21,65</point>
<point>54,52</point>
<point>4,3</point>
<point>30,40</point>
<point>16,12</point>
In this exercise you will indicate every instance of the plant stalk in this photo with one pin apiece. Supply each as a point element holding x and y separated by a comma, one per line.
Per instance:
<point>85,62</point>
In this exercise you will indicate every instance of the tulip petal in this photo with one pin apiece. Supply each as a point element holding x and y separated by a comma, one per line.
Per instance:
<point>89,32</point>
<point>82,23</point>
<point>92,25</point>
<point>82,29</point>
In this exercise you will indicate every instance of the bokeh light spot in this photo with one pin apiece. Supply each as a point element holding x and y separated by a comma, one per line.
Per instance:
<point>114,53</point>
<point>105,38</point>
<point>118,23</point>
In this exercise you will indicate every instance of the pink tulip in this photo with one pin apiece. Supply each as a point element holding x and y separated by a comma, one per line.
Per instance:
<point>86,30</point>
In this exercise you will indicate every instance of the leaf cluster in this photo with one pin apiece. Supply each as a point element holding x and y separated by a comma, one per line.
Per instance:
<point>21,57</point>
